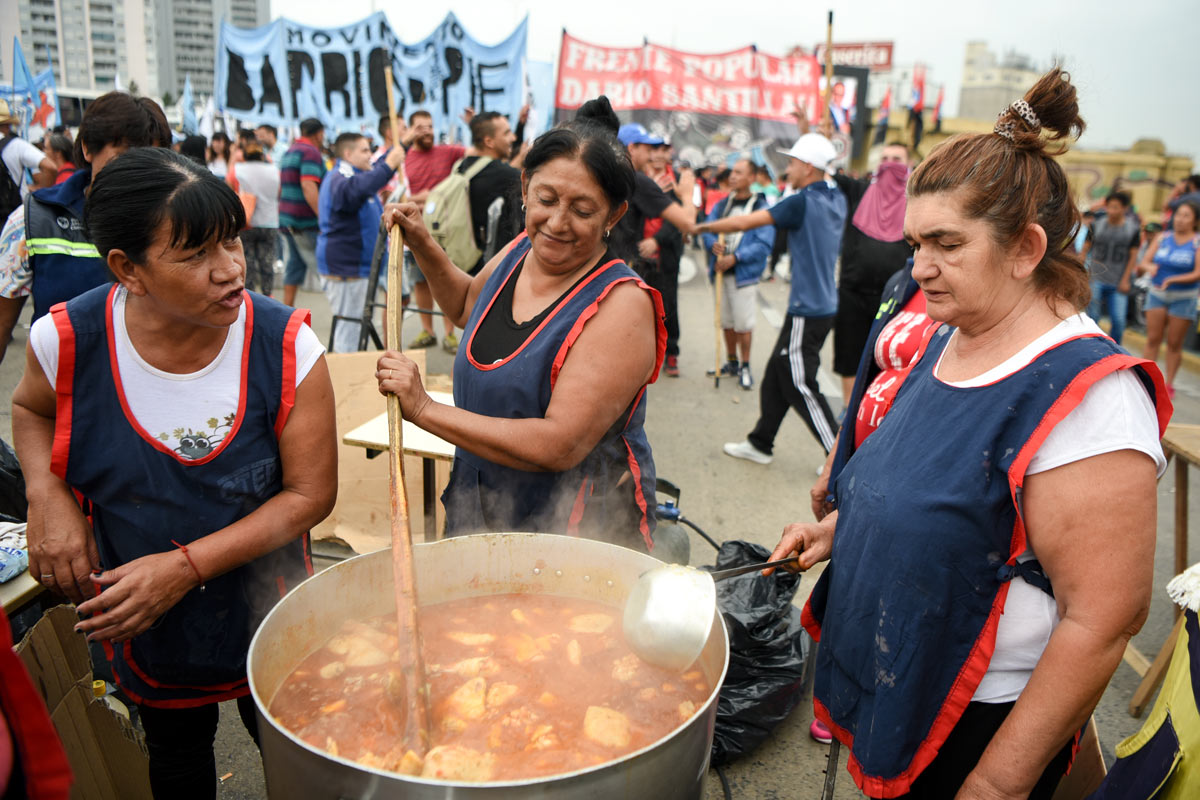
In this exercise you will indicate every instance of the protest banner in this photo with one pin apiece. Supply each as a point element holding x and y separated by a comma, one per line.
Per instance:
<point>539,94</point>
<point>284,72</point>
<point>712,107</point>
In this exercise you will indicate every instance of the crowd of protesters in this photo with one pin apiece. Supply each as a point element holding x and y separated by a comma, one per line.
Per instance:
<point>280,180</point>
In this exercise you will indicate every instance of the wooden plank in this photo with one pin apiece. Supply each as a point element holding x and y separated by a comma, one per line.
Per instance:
<point>373,435</point>
<point>1181,521</point>
<point>15,594</point>
<point>1155,674</point>
<point>1134,658</point>
<point>1184,440</point>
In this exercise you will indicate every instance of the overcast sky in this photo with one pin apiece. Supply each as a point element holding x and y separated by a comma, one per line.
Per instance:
<point>1133,63</point>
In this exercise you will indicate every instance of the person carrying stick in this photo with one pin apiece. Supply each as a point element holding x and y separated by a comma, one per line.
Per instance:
<point>739,259</point>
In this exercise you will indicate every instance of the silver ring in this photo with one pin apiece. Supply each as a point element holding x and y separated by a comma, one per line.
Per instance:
<point>47,575</point>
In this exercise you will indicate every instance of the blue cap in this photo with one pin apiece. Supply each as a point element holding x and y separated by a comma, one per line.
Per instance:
<point>636,133</point>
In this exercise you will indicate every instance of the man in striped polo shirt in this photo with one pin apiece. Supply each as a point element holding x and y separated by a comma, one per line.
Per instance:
<point>300,172</point>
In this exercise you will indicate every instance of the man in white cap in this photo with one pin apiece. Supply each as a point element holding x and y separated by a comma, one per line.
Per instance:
<point>19,155</point>
<point>814,218</point>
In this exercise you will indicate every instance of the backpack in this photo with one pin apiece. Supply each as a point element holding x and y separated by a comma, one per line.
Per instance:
<point>448,215</point>
<point>10,192</point>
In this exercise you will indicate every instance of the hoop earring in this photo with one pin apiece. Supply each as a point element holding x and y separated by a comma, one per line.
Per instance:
<point>522,207</point>
<point>607,232</point>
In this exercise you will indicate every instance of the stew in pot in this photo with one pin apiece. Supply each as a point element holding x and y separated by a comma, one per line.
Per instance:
<point>521,686</point>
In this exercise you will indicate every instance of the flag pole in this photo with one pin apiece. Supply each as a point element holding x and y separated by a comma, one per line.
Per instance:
<point>829,68</point>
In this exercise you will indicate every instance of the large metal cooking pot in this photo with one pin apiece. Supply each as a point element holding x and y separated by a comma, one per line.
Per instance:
<point>469,566</point>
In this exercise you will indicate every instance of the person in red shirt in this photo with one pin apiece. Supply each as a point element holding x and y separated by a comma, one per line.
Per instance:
<point>59,149</point>
<point>33,764</point>
<point>427,165</point>
<point>718,194</point>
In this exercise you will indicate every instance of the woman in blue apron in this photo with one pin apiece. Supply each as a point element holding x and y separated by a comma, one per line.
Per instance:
<point>194,423</point>
<point>972,611</point>
<point>561,339</point>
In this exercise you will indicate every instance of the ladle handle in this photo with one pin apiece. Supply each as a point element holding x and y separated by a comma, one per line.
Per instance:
<point>733,572</point>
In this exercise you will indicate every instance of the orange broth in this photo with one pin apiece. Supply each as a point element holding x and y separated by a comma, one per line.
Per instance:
<point>521,686</point>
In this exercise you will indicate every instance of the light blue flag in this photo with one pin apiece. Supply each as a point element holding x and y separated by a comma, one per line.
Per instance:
<point>24,88</point>
<point>188,102</point>
<point>45,82</point>
<point>539,87</point>
<point>46,114</point>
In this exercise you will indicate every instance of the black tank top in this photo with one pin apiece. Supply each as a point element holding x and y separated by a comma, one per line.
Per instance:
<point>499,335</point>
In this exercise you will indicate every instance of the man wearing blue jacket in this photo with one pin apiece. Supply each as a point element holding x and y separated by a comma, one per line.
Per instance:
<point>740,259</point>
<point>349,212</point>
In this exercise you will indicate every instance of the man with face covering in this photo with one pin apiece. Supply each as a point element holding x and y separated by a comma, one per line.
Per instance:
<point>873,248</point>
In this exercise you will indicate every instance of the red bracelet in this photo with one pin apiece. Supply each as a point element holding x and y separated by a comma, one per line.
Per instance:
<point>183,547</point>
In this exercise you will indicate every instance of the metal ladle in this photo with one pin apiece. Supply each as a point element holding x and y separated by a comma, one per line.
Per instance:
<point>669,611</point>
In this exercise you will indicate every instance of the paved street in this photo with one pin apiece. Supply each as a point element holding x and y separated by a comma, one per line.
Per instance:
<point>688,422</point>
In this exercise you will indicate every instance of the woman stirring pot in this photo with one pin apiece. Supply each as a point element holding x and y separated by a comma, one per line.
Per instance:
<point>561,339</point>
<point>196,421</point>
<point>992,547</point>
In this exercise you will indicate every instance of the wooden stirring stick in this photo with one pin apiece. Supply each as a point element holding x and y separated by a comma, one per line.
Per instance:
<point>412,659</point>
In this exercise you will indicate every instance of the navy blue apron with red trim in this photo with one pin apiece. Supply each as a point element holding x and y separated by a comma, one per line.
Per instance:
<point>141,496</point>
<point>610,494</point>
<point>927,540</point>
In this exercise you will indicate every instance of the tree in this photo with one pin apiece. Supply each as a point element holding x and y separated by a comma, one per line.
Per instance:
<point>168,99</point>
<point>133,88</point>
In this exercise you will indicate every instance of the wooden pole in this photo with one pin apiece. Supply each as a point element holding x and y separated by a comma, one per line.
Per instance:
<point>412,659</point>
<point>391,101</point>
<point>394,127</point>
<point>1181,522</point>
<point>1156,673</point>
<point>829,67</point>
<point>719,279</point>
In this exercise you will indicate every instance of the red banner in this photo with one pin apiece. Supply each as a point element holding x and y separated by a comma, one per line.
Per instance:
<point>741,83</point>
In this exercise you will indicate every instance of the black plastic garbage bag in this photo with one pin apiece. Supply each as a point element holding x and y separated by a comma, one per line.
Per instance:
<point>768,650</point>
<point>13,507</point>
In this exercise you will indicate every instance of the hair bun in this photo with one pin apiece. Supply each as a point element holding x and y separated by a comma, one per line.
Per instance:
<point>1051,107</point>
<point>599,112</point>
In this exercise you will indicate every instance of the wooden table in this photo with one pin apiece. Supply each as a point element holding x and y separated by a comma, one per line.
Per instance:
<point>373,436</point>
<point>1181,442</point>
<point>19,592</point>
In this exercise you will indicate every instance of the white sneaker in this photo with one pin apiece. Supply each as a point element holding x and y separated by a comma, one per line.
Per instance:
<point>747,451</point>
<point>745,379</point>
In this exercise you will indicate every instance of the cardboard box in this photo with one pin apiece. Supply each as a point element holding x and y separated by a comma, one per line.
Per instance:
<point>107,755</point>
<point>361,518</point>
<point>1088,771</point>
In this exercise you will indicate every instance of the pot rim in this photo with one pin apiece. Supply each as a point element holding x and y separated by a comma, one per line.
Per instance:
<point>265,714</point>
